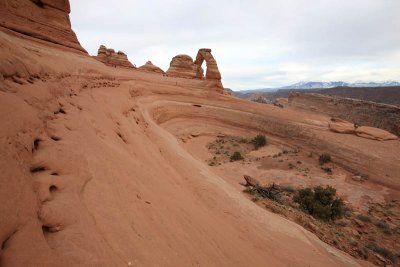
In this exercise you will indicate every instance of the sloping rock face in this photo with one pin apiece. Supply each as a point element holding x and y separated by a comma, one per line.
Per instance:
<point>109,57</point>
<point>364,113</point>
<point>150,67</point>
<point>182,66</point>
<point>46,20</point>
<point>342,126</point>
<point>374,133</point>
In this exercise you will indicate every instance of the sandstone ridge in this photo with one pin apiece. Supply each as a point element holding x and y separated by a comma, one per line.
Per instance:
<point>46,20</point>
<point>113,59</point>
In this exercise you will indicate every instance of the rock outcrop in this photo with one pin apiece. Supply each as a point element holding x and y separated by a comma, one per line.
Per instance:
<point>47,20</point>
<point>183,66</point>
<point>150,67</point>
<point>364,113</point>
<point>113,59</point>
<point>342,126</point>
<point>212,72</point>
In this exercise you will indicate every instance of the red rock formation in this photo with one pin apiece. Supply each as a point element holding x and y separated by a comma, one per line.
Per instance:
<point>46,20</point>
<point>184,67</point>
<point>338,125</point>
<point>212,72</point>
<point>110,58</point>
<point>365,113</point>
<point>150,67</point>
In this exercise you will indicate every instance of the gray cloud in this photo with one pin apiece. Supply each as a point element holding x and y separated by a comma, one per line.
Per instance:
<point>257,43</point>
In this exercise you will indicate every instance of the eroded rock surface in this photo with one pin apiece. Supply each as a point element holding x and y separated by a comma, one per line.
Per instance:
<point>365,113</point>
<point>46,20</point>
<point>345,127</point>
<point>183,66</point>
<point>150,67</point>
<point>113,59</point>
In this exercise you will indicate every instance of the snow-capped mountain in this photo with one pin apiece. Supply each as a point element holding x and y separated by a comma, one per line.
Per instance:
<point>321,85</point>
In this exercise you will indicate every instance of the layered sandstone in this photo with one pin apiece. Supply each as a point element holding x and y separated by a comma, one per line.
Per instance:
<point>364,113</point>
<point>183,66</point>
<point>113,59</point>
<point>342,126</point>
<point>212,72</point>
<point>150,67</point>
<point>46,20</point>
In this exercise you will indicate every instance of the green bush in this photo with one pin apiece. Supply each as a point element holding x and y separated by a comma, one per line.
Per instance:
<point>364,218</point>
<point>320,203</point>
<point>259,141</point>
<point>382,251</point>
<point>324,158</point>
<point>236,156</point>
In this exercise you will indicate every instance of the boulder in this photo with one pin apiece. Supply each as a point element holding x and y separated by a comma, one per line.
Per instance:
<point>47,20</point>
<point>150,67</point>
<point>109,57</point>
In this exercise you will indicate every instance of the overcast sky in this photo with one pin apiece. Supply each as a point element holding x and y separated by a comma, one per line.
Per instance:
<point>257,43</point>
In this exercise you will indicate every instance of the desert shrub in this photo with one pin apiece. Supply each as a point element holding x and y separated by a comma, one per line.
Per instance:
<point>364,218</point>
<point>236,156</point>
<point>384,227</point>
<point>324,158</point>
<point>288,188</point>
<point>259,141</point>
<point>382,251</point>
<point>321,203</point>
<point>327,170</point>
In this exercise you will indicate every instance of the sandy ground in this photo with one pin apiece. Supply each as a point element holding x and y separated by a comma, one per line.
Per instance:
<point>94,171</point>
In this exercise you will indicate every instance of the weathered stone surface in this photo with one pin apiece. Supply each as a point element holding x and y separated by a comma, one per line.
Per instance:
<point>46,20</point>
<point>341,126</point>
<point>109,57</point>
<point>375,133</point>
<point>182,66</point>
<point>150,67</point>
<point>364,113</point>
<point>212,72</point>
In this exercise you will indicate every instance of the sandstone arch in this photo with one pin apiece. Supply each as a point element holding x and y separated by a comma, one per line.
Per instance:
<point>183,66</point>
<point>212,71</point>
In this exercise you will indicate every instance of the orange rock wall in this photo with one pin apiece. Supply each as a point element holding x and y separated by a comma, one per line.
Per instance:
<point>46,20</point>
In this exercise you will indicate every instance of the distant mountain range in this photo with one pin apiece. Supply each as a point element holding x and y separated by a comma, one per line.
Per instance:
<point>324,85</point>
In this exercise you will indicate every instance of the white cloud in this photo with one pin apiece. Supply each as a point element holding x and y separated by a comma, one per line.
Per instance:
<point>257,43</point>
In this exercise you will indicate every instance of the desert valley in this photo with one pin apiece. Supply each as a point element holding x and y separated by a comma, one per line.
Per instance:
<point>103,163</point>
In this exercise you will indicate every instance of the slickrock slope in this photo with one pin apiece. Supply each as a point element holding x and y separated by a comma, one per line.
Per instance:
<point>46,20</point>
<point>111,58</point>
<point>93,172</point>
<point>150,67</point>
